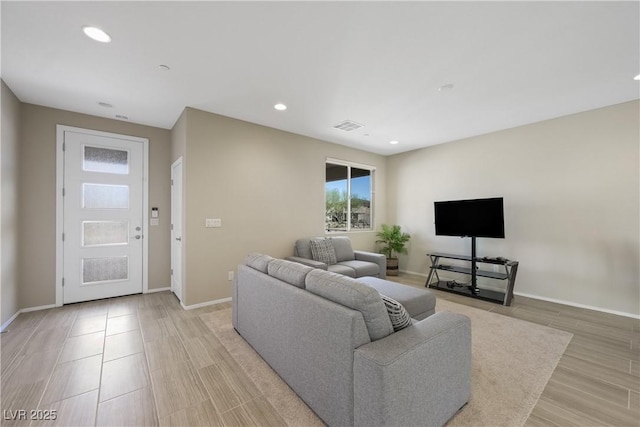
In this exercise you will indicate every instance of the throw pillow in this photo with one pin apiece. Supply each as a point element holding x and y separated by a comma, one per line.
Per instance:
<point>322,250</point>
<point>398,315</point>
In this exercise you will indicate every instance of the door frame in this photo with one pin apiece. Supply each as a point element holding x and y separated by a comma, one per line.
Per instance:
<point>60,130</point>
<point>180,162</point>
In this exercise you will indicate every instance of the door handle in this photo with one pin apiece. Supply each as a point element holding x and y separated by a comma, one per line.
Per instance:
<point>179,239</point>
<point>137,237</point>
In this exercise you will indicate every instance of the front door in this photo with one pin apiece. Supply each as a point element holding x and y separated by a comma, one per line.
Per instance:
<point>102,216</point>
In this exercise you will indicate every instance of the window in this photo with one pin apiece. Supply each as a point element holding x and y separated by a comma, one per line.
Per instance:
<point>348,196</point>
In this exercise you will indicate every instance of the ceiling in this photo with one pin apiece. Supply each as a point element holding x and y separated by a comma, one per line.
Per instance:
<point>386,65</point>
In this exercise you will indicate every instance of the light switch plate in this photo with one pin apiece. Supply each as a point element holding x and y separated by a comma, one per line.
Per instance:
<point>213,223</point>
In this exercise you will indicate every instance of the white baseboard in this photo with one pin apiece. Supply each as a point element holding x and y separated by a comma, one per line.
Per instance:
<point>557,301</point>
<point>575,304</point>
<point>41,307</point>
<point>150,291</point>
<point>25,310</point>
<point>8,322</point>
<point>204,304</point>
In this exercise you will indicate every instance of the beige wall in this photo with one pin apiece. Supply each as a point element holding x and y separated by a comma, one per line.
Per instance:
<point>38,197</point>
<point>267,187</point>
<point>571,194</point>
<point>10,107</point>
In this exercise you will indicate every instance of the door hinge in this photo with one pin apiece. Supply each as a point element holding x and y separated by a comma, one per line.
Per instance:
<point>63,239</point>
<point>64,146</point>
<point>172,271</point>
<point>63,282</point>
<point>172,227</point>
<point>63,192</point>
<point>171,182</point>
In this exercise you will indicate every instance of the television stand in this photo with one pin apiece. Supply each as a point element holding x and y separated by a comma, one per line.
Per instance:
<point>471,289</point>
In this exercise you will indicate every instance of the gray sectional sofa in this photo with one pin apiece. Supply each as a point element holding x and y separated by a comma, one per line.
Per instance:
<point>329,337</point>
<point>348,262</point>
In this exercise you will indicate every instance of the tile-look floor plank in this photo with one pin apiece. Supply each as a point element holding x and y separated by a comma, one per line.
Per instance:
<point>82,346</point>
<point>137,408</point>
<point>123,375</point>
<point>124,323</point>
<point>201,414</point>
<point>257,412</point>
<point>73,378</point>
<point>76,411</point>
<point>121,345</point>
<point>87,325</point>
<point>177,387</point>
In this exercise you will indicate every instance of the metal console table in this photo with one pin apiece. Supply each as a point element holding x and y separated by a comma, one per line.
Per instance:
<point>471,290</point>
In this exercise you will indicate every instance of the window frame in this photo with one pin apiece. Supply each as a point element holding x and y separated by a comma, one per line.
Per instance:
<point>349,165</point>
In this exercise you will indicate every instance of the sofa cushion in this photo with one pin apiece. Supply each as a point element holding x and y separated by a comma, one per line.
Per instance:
<point>258,261</point>
<point>398,316</point>
<point>363,268</point>
<point>342,246</point>
<point>419,303</point>
<point>352,294</point>
<point>342,269</point>
<point>290,272</point>
<point>322,250</point>
<point>303,248</point>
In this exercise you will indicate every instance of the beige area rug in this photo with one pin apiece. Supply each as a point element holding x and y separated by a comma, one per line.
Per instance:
<point>512,362</point>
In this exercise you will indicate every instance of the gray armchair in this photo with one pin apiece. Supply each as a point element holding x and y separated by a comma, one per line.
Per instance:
<point>348,262</point>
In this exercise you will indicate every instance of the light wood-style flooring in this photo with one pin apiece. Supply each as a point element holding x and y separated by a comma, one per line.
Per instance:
<point>143,360</point>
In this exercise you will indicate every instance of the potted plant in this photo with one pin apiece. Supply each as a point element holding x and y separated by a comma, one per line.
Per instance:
<point>393,240</point>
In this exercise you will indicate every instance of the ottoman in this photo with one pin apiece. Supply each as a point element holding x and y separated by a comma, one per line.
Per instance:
<point>419,303</point>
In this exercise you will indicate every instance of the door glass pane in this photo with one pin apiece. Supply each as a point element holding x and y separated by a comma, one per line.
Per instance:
<point>105,233</point>
<point>105,269</point>
<point>336,197</point>
<point>107,160</point>
<point>102,196</point>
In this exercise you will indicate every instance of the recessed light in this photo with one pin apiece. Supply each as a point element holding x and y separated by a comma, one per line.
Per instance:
<point>637,77</point>
<point>96,34</point>
<point>393,142</point>
<point>280,107</point>
<point>164,67</point>
<point>105,104</point>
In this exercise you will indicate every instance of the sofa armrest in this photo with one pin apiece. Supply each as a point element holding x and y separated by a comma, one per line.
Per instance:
<point>379,259</point>
<point>309,262</point>
<point>420,375</point>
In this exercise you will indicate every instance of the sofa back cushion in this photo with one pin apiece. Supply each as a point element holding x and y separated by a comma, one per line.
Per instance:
<point>322,250</point>
<point>303,248</point>
<point>258,261</point>
<point>352,294</point>
<point>342,246</point>
<point>290,272</point>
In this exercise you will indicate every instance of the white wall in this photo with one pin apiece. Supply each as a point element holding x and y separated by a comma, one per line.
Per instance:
<point>267,187</point>
<point>571,191</point>
<point>37,197</point>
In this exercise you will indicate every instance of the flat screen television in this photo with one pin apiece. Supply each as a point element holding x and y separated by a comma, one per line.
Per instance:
<point>470,218</point>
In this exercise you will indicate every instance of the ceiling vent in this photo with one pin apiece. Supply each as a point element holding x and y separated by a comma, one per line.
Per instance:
<point>348,126</point>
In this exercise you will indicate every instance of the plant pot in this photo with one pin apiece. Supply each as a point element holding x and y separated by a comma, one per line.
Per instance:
<point>392,266</point>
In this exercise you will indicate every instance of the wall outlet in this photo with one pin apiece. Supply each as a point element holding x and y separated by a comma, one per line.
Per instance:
<point>230,275</point>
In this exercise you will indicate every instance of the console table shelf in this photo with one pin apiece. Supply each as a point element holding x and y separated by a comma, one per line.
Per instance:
<point>509,274</point>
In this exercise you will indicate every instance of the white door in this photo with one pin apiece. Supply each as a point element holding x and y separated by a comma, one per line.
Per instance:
<point>102,216</point>
<point>176,228</point>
